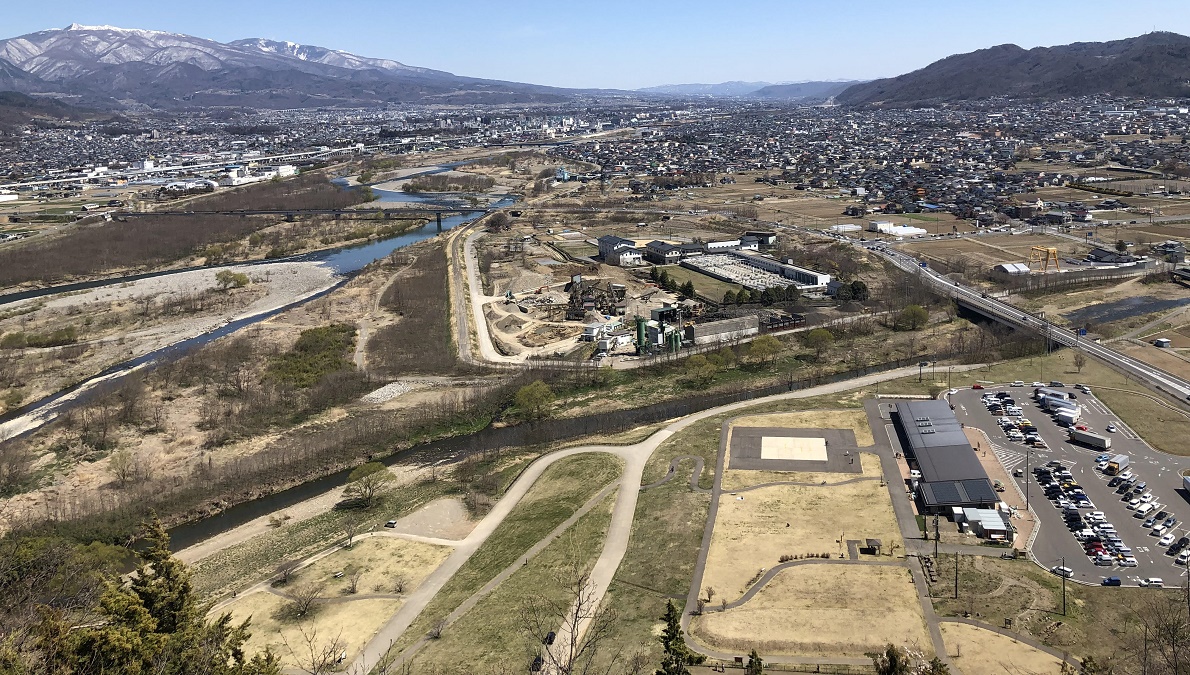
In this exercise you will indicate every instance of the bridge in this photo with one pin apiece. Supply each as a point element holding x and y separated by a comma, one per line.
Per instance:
<point>977,301</point>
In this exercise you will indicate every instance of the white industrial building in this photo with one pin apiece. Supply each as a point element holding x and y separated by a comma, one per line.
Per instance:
<point>727,330</point>
<point>889,228</point>
<point>755,271</point>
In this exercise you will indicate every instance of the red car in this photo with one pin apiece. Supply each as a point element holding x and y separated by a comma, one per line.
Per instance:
<point>1081,427</point>
<point>977,386</point>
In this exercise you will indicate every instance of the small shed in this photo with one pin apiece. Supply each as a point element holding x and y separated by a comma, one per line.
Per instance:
<point>872,547</point>
<point>1163,343</point>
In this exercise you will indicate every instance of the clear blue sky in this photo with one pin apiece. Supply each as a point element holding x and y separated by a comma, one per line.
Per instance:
<point>638,43</point>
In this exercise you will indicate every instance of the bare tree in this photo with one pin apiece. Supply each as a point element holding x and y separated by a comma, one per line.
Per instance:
<point>315,655</point>
<point>122,464</point>
<point>351,527</point>
<point>436,629</point>
<point>354,573</point>
<point>399,584</point>
<point>302,598</point>
<point>1080,361</point>
<point>580,626</point>
<point>285,571</point>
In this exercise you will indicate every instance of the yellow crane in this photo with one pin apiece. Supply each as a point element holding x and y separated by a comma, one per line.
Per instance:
<point>1043,256</point>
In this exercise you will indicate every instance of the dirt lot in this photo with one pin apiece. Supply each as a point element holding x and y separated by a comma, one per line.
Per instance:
<point>822,610</point>
<point>754,529</point>
<point>977,651</point>
<point>989,250</point>
<point>384,560</point>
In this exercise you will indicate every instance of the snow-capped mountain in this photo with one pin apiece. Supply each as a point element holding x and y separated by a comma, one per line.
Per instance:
<point>164,69</point>
<point>330,57</point>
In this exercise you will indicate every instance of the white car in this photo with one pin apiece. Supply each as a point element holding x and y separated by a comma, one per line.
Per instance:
<point>1153,582</point>
<point>1128,561</point>
<point>1038,384</point>
<point>1097,517</point>
<point>1018,383</point>
<point>1183,557</point>
<point>1111,428</point>
<point>1133,504</point>
<point>1126,476</point>
<point>1102,466</point>
<point>1062,571</point>
<point>1147,497</point>
<point>1166,540</point>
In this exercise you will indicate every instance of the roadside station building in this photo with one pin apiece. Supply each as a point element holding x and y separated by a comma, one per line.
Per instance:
<point>935,445</point>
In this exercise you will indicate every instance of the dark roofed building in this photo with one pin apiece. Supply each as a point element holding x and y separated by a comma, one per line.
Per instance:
<point>934,443</point>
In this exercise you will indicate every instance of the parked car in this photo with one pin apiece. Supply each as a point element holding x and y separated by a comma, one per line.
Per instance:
<point>1111,428</point>
<point>977,386</point>
<point>1062,571</point>
<point>1018,383</point>
<point>1183,557</point>
<point>1110,581</point>
<point>1166,539</point>
<point>1128,561</point>
<point>1152,582</point>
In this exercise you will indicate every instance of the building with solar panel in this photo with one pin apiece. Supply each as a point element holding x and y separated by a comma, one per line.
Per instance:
<point>952,478</point>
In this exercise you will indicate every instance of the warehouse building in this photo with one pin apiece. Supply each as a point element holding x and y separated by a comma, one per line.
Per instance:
<point>727,330</point>
<point>935,445</point>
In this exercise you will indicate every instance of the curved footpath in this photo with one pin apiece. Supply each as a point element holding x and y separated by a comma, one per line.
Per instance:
<point>620,529</point>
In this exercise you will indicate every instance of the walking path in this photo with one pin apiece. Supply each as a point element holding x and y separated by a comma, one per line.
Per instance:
<point>619,530</point>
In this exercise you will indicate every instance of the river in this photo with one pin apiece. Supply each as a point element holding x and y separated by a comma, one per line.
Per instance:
<point>344,262</point>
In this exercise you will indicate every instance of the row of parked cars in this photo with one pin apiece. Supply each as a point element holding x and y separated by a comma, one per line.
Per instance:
<point>1154,518</point>
<point>1011,419</point>
<point>1099,538</point>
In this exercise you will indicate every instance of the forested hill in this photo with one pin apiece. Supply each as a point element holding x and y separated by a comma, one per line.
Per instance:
<point>1155,65</point>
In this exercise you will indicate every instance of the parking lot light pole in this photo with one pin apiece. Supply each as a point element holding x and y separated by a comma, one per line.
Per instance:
<point>1063,588</point>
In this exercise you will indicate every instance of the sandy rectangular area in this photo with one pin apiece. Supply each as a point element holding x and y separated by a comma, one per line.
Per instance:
<point>754,529</point>
<point>785,447</point>
<point>822,610</point>
<point>976,651</point>
<point>856,420</point>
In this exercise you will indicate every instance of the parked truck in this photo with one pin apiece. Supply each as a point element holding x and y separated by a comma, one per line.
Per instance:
<point>1116,464</point>
<point>1067,418</point>
<point>1056,404</point>
<point>1186,483</point>
<point>1088,438</point>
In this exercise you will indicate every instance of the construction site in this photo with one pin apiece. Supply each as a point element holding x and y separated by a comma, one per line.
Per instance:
<point>547,294</point>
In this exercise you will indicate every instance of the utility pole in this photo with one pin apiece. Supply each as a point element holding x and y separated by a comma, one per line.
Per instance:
<point>1063,588</point>
<point>937,535</point>
<point>956,581</point>
<point>1028,473</point>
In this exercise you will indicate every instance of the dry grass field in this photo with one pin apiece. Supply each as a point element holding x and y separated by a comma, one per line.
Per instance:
<point>977,651</point>
<point>754,529</point>
<point>735,479</point>
<point>352,623</point>
<point>855,420</point>
<point>989,250</point>
<point>822,610</point>
<point>384,561</point>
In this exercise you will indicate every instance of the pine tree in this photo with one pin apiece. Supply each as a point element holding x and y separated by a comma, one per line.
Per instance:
<point>154,624</point>
<point>677,654</point>
<point>755,665</point>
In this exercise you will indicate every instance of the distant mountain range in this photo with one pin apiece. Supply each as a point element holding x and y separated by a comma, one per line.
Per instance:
<point>100,64</point>
<point>786,91</point>
<point>1155,65</point>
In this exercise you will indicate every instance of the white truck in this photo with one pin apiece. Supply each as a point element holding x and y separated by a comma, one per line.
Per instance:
<point>1116,464</point>
<point>1066,418</point>
<point>1090,439</point>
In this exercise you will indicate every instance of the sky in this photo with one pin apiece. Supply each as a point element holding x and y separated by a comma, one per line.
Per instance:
<point>631,44</point>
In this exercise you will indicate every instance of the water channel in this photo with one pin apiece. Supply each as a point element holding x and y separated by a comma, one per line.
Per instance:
<point>344,262</point>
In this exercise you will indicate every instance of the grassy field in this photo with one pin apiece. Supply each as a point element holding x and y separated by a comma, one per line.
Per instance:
<point>703,285</point>
<point>755,528</point>
<point>977,651</point>
<point>855,420</point>
<point>559,492</point>
<point>1099,621</point>
<point>353,623</point>
<point>492,633</point>
<point>822,610</point>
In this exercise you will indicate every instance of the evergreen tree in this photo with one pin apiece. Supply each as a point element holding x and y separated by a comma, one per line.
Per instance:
<point>154,624</point>
<point>755,665</point>
<point>859,291</point>
<point>677,654</point>
<point>688,289</point>
<point>729,298</point>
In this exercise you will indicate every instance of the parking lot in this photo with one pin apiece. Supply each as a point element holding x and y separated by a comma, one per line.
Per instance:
<point>1056,543</point>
